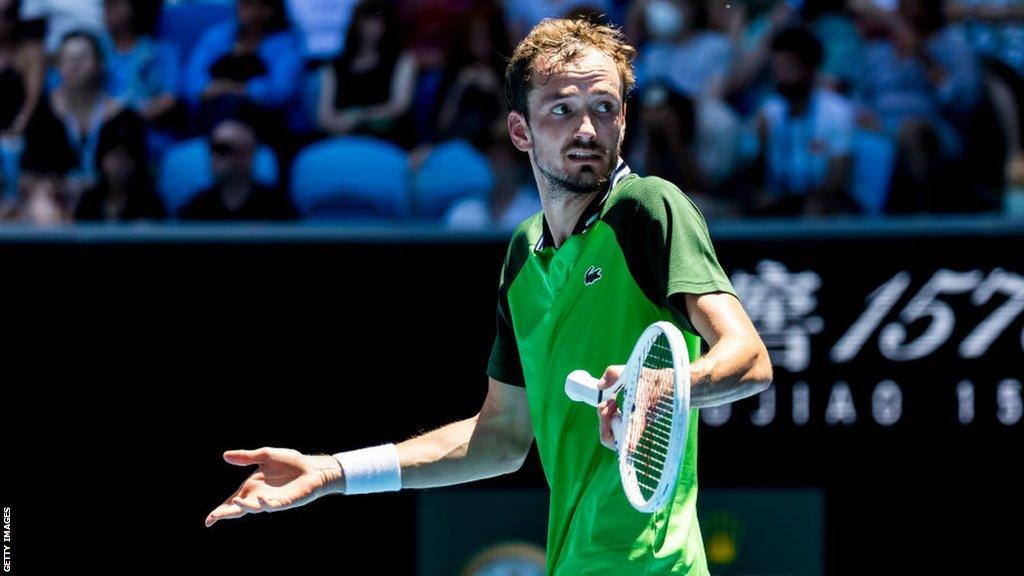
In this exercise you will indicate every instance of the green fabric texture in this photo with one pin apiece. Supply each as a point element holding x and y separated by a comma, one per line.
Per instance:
<point>583,306</point>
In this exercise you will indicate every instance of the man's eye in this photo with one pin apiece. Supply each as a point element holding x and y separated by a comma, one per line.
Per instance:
<point>560,110</point>
<point>605,107</point>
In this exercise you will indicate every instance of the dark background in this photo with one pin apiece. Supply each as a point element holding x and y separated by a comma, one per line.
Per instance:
<point>130,366</point>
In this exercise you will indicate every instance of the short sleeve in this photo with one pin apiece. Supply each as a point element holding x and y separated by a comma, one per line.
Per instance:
<point>504,364</point>
<point>669,247</point>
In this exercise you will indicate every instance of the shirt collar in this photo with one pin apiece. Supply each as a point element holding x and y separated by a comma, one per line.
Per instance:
<point>590,214</point>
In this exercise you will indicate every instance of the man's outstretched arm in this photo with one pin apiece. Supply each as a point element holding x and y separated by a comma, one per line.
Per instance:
<point>493,442</point>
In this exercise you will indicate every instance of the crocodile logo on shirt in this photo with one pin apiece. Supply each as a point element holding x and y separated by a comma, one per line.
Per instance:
<point>593,275</point>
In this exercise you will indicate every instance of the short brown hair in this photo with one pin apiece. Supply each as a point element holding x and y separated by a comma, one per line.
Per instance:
<point>564,41</point>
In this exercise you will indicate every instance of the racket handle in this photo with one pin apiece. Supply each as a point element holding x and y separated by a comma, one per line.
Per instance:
<point>580,386</point>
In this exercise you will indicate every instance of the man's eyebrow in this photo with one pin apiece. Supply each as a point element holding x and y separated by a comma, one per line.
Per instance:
<point>557,96</point>
<point>561,94</point>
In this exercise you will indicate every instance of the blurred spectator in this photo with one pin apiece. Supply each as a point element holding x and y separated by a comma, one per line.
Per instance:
<point>51,20</point>
<point>322,25</point>
<point>806,134</point>
<point>255,60</point>
<point>749,81</point>
<point>513,199</point>
<point>842,43</point>
<point>62,136</point>
<point>680,52</point>
<point>669,126</point>
<point>141,73</point>
<point>677,46</point>
<point>368,88</point>
<point>473,101</point>
<point>921,83</point>
<point>22,66</point>
<point>753,27</point>
<point>125,190</point>
<point>235,195</point>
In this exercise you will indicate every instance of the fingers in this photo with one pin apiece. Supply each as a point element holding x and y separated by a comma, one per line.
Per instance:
<point>610,377</point>
<point>250,504</point>
<point>237,506</point>
<point>606,416</point>
<point>223,512</point>
<point>245,457</point>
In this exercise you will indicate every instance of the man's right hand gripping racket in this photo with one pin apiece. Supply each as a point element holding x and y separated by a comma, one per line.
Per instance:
<point>650,429</point>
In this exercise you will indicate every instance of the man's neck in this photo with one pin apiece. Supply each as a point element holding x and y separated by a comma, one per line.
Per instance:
<point>563,211</point>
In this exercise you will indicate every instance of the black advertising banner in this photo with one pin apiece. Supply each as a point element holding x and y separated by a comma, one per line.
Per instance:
<point>869,335</point>
<point>898,389</point>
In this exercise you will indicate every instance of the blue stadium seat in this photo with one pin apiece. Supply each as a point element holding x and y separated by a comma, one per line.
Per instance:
<point>10,159</point>
<point>351,177</point>
<point>874,157</point>
<point>453,170</point>
<point>182,24</point>
<point>184,171</point>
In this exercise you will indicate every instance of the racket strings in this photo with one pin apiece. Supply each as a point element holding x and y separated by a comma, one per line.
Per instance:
<point>650,421</point>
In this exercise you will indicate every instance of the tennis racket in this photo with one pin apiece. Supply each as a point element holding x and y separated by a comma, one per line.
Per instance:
<point>650,428</point>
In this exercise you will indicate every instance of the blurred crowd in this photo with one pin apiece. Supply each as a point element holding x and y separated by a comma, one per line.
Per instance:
<point>118,110</point>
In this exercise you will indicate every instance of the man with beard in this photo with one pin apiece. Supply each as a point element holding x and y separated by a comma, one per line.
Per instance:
<point>610,253</point>
<point>806,134</point>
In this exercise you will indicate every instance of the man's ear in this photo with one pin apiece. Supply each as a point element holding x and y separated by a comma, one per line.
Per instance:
<point>519,132</point>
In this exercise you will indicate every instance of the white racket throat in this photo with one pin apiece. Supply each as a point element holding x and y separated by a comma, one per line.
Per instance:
<point>650,429</point>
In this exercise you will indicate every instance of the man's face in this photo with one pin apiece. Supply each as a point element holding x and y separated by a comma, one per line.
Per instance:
<point>577,121</point>
<point>254,13</point>
<point>232,147</point>
<point>792,79</point>
<point>77,63</point>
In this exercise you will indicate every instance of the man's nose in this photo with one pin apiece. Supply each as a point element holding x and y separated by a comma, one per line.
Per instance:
<point>585,131</point>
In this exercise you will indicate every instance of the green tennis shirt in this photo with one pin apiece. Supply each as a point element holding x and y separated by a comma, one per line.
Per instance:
<point>584,305</point>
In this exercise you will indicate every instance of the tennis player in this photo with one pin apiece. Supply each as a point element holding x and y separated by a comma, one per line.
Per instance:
<point>610,253</point>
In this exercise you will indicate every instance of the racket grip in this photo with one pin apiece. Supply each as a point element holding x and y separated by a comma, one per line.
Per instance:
<point>580,386</point>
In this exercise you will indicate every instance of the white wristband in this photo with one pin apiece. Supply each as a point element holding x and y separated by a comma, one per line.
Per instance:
<point>371,469</point>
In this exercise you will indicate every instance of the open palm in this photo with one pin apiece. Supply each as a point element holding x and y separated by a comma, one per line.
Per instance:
<point>285,479</point>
